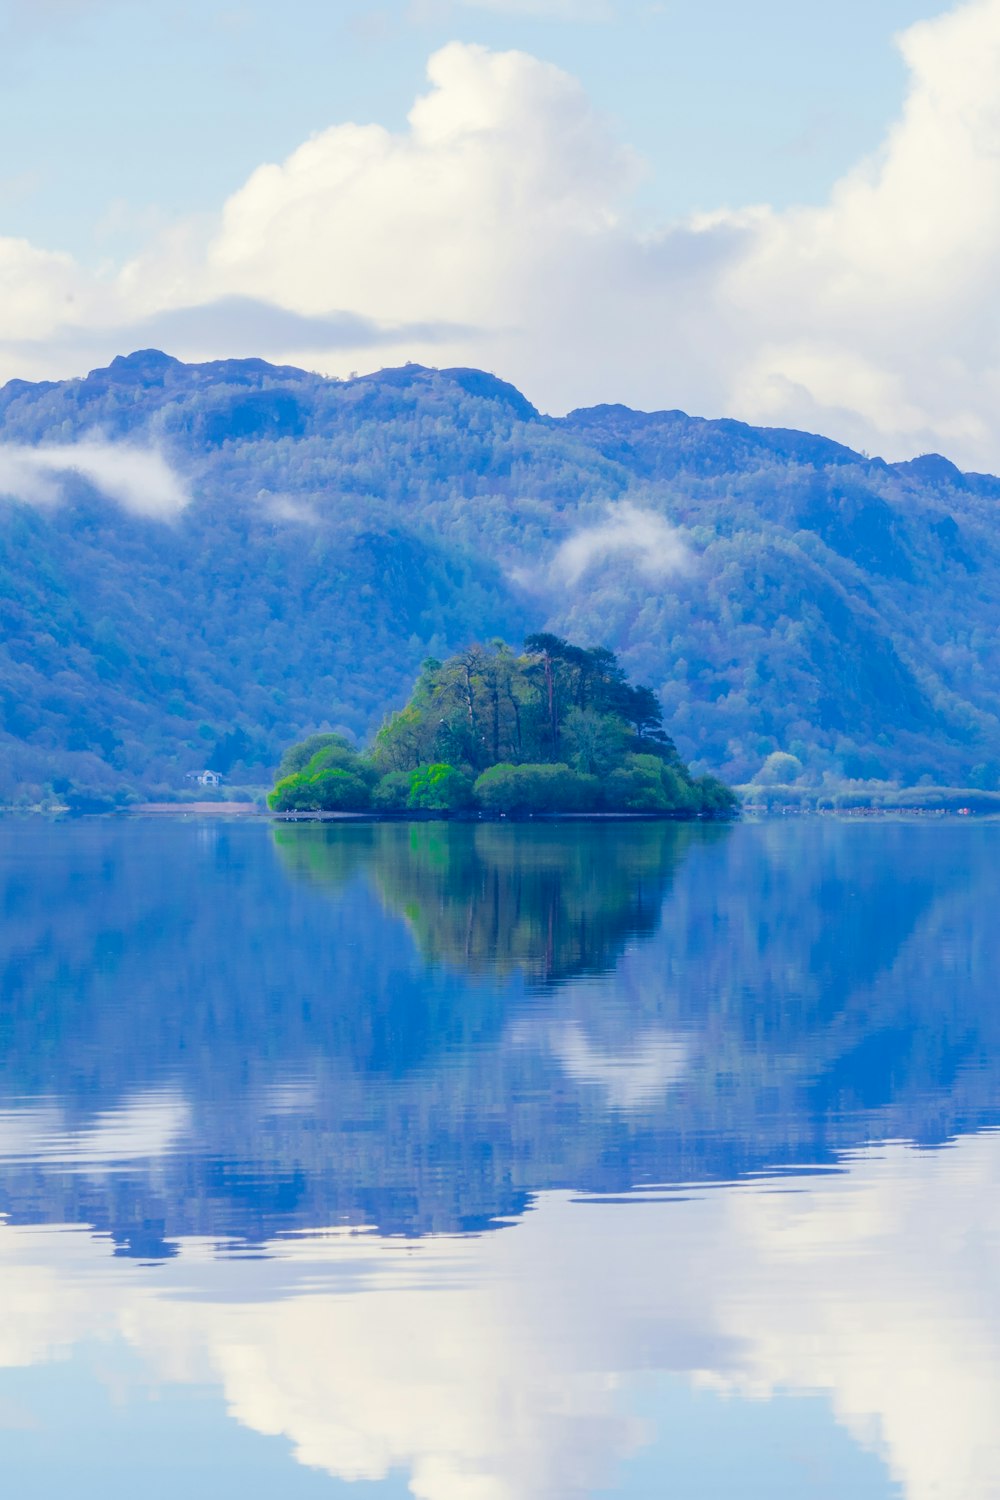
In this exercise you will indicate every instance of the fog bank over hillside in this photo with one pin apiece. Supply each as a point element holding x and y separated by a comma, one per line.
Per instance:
<point>779,591</point>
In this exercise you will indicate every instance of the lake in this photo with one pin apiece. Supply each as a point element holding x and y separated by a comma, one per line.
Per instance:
<point>486,1162</point>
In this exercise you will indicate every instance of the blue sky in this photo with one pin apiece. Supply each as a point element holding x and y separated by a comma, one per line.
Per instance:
<point>786,213</point>
<point>117,114</point>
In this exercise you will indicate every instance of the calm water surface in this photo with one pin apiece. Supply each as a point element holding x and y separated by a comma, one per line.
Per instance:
<point>495,1163</point>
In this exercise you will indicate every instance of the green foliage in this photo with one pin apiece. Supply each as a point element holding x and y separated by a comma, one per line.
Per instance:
<point>644,783</point>
<point>392,791</point>
<point>324,774</point>
<point>516,790</point>
<point>549,703</point>
<point>440,788</point>
<point>779,769</point>
<point>398,743</point>
<point>335,749</point>
<point>717,799</point>
<point>595,740</point>
<point>492,728</point>
<point>320,791</point>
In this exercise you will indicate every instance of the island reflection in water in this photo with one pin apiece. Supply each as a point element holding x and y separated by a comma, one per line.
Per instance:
<point>501,1161</point>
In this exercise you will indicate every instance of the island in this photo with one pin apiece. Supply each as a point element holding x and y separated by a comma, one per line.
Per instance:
<point>552,729</point>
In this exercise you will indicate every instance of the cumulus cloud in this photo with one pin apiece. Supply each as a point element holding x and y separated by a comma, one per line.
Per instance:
<point>884,303</point>
<point>655,548</point>
<point>39,289</point>
<point>504,207</point>
<point>138,479</point>
<point>503,162</point>
<point>496,229</point>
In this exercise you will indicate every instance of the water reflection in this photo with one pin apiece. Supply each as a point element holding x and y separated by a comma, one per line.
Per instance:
<point>547,1361</point>
<point>496,1161</point>
<point>550,901</point>
<point>417,1028</point>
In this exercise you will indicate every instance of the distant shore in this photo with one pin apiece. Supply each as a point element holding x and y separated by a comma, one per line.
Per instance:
<point>203,809</point>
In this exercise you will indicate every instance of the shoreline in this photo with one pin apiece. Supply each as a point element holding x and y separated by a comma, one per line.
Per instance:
<point>249,810</point>
<point>424,815</point>
<point>750,813</point>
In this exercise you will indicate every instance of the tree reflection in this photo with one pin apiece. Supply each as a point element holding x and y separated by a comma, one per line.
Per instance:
<point>552,901</point>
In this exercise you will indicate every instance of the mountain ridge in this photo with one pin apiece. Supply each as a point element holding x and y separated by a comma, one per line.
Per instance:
<point>834,606</point>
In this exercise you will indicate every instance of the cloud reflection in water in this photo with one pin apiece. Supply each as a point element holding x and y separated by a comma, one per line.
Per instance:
<point>500,1366</point>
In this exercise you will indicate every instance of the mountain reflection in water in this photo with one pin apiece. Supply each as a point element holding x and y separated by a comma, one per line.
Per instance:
<point>453,1152</point>
<point>417,1027</point>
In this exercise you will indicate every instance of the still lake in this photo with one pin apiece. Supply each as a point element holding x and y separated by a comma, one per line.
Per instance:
<point>500,1163</point>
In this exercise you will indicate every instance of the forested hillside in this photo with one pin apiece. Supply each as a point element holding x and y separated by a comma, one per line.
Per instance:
<point>779,592</point>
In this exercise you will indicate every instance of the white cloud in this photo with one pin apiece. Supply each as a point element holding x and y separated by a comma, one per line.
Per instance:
<point>39,289</point>
<point>139,479</point>
<point>654,547</point>
<point>503,207</point>
<point>503,163</point>
<point>885,303</point>
<point>288,508</point>
<point>494,229</point>
<point>249,328</point>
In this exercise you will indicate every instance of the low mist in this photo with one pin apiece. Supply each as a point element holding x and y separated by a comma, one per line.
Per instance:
<point>654,547</point>
<point>138,479</point>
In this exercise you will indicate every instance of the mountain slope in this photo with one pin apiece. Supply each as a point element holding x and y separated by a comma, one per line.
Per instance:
<point>815,600</point>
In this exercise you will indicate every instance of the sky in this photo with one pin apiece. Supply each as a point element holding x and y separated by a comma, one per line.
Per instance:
<point>784,213</point>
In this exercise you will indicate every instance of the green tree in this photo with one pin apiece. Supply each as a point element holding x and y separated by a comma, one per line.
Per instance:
<point>646,783</point>
<point>779,769</point>
<point>323,791</point>
<point>595,741</point>
<point>297,757</point>
<point>440,788</point>
<point>392,792</point>
<point>717,799</point>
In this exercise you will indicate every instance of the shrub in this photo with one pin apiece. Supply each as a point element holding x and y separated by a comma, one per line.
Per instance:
<point>717,800</point>
<point>392,792</point>
<point>336,759</point>
<point>536,789</point>
<point>646,783</point>
<point>326,791</point>
<point>440,788</point>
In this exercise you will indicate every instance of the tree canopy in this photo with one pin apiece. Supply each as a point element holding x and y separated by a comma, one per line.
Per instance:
<point>554,727</point>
